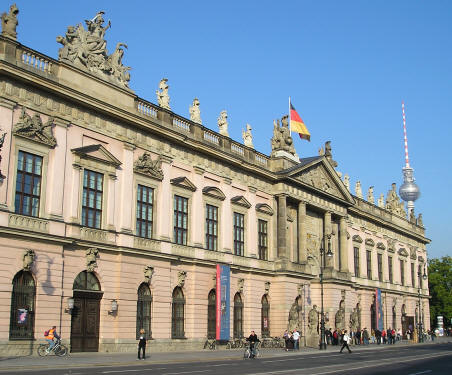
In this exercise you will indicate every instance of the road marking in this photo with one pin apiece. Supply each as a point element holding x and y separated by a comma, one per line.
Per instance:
<point>422,372</point>
<point>185,372</point>
<point>300,358</point>
<point>113,371</point>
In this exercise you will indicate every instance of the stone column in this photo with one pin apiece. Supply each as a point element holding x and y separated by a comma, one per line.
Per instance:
<point>226,216</point>
<point>6,118</point>
<point>165,213</point>
<point>111,200</point>
<point>251,241</point>
<point>302,251</point>
<point>282,226</point>
<point>343,244</point>
<point>329,261</point>
<point>75,189</point>
<point>197,208</point>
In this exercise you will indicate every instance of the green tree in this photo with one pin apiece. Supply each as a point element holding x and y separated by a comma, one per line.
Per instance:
<point>440,288</point>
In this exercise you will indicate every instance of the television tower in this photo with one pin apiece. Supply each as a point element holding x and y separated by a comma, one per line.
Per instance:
<point>409,191</point>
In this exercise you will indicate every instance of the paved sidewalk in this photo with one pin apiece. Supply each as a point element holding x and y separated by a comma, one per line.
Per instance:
<point>80,360</point>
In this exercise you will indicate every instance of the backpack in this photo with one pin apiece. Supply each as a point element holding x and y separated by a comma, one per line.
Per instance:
<point>46,333</point>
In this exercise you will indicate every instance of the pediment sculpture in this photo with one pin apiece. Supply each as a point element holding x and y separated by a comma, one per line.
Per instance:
<point>33,128</point>
<point>282,140</point>
<point>10,22</point>
<point>318,178</point>
<point>145,165</point>
<point>87,49</point>
<point>393,202</point>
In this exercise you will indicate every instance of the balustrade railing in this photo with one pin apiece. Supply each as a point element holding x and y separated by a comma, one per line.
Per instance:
<point>146,109</point>
<point>237,149</point>
<point>181,124</point>
<point>35,61</point>
<point>211,137</point>
<point>261,160</point>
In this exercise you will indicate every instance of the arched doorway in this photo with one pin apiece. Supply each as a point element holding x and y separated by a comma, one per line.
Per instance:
<point>265,316</point>
<point>212,315</point>
<point>238,316</point>
<point>86,313</point>
<point>144,305</point>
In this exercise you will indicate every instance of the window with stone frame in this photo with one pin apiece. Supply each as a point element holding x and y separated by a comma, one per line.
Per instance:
<point>178,314</point>
<point>239,234</point>
<point>92,199</point>
<point>212,314</point>
<point>265,316</point>
<point>144,305</point>
<point>380,266</point>
<point>144,212</point>
<point>390,269</point>
<point>356,260</point>
<point>369,264</point>
<point>28,184</point>
<point>211,227</point>
<point>238,316</point>
<point>22,313</point>
<point>413,278</point>
<point>262,233</point>
<point>402,272</point>
<point>180,220</point>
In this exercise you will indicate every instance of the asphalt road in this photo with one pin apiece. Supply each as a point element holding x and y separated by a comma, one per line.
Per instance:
<point>411,360</point>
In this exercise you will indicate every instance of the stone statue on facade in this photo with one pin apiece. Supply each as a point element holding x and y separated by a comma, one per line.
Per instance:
<point>347,181</point>
<point>358,191</point>
<point>91,256</point>
<point>28,259</point>
<point>370,195</point>
<point>381,201</point>
<point>329,154</point>
<point>33,128</point>
<point>148,273</point>
<point>293,317</point>
<point>354,320</point>
<point>10,22</point>
<point>87,49</point>
<point>340,316</point>
<point>145,165</point>
<point>163,97</point>
<point>195,112</point>
<point>240,285</point>
<point>282,140</point>
<point>223,123</point>
<point>412,217</point>
<point>393,202</point>
<point>267,287</point>
<point>313,321</point>
<point>418,221</point>
<point>247,136</point>
<point>181,277</point>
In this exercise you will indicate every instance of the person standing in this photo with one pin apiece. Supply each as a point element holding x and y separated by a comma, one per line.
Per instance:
<point>296,339</point>
<point>345,341</point>
<point>142,345</point>
<point>365,336</point>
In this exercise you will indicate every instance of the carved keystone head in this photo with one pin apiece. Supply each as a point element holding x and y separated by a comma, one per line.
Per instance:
<point>240,284</point>
<point>148,272</point>
<point>181,276</point>
<point>28,259</point>
<point>91,259</point>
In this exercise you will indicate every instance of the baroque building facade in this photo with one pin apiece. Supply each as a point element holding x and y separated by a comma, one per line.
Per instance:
<point>114,213</point>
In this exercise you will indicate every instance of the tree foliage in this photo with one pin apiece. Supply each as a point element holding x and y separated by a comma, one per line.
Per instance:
<point>440,288</point>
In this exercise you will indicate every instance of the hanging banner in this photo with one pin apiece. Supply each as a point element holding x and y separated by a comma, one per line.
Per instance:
<point>379,310</point>
<point>223,302</point>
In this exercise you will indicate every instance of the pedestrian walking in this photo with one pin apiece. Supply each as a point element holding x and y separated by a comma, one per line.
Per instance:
<point>142,345</point>
<point>345,341</point>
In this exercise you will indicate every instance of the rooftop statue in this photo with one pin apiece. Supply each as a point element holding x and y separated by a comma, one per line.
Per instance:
<point>358,191</point>
<point>10,22</point>
<point>347,181</point>
<point>282,140</point>
<point>247,136</point>
<point>87,49</point>
<point>223,123</point>
<point>329,154</point>
<point>195,112</point>
<point>370,195</point>
<point>381,201</point>
<point>393,203</point>
<point>163,97</point>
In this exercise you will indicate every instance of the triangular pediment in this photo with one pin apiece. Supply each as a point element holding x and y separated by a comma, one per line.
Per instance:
<point>214,192</point>
<point>184,183</point>
<point>264,208</point>
<point>402,251</point>
<point>318,174</point>
<point>97,153</point>
<point>241,201</point>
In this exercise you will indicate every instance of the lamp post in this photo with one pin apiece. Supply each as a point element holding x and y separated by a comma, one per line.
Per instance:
<point>424,277</point>
<point>329,253</point>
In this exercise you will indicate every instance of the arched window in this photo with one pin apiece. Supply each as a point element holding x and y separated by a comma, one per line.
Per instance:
<point>238,316</point>
<point>22,316</point>
<point>86,281</point>
<point>373,317</point>
<point>212,315</point>
<point>177,326</point>
<point>265,317</point>
<point>144,310</point>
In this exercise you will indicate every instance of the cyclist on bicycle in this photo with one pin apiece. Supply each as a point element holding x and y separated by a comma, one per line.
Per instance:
<point>253,340</point>
<point>50,338</point>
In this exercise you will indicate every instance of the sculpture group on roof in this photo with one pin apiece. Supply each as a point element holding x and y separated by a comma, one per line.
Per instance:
<point>282,140</point>
<point>10,22</point>
<point>87,49</point>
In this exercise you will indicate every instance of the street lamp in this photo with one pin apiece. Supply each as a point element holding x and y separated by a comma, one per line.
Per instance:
<point>424,277</point>
<point>329,253</point>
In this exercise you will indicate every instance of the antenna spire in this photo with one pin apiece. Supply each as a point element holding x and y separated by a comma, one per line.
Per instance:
<point>407,160</point>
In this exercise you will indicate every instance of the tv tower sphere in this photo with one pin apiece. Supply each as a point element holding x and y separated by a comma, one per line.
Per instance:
<point>409,191</point>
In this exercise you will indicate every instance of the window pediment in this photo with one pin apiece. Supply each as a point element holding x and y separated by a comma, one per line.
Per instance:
<point>381,246</point>
<point>241,201</point>
<point>264,208</point>
<point>33,128</point>
<point>214,192</point>
<point>370,242</point>
<point>184,183</point>
<point>402,252</point>
<point>148,167</point>
<point>357,238</point>
<point>97,153</point>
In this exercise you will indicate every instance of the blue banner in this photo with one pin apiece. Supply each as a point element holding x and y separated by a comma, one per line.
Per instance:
<point>223,302</point>
<point>379,310</point>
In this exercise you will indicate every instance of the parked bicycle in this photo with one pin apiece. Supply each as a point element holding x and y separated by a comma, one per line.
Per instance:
<point>210,344</point>
<point>58,349</point>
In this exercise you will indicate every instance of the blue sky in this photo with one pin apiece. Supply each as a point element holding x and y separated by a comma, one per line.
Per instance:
<point>346,64</point>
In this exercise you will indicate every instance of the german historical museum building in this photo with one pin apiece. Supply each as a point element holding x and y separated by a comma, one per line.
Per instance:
<point>116,213</point>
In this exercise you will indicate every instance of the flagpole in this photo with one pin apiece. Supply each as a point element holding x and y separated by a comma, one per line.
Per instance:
<point>290,125</point>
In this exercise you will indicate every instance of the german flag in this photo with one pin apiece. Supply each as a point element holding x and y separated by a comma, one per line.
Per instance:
<point>297,125</point>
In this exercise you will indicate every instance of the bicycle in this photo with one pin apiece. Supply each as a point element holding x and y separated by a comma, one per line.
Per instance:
<point>247,352</point>
<point>58,349</point>
<point>211,344</point>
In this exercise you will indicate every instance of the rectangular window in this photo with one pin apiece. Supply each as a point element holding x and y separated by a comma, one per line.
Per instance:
<point>413,279</point>
<point>380,267</point>
<point>145,199</point>
<point>356,259</point>
<point>180,220</point>
<point>402,272</point>
<point>28,184</point>
<point>92,199</point>
<point>369,264</point>
<point>390,269</point>
<point>262,239</point>
<point>239,234</point>
<point>211,227</point>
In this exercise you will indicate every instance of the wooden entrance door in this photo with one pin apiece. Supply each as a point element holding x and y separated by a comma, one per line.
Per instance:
<point>85,322</point>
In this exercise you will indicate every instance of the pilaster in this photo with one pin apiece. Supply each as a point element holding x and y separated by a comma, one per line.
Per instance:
<point>302,251</point>
<point>343,244</point>
<point>282,226</point>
